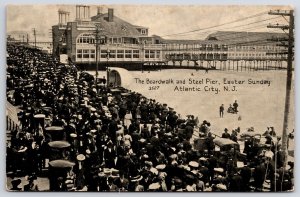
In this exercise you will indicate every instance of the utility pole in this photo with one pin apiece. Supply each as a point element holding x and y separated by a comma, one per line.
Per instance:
<point>34,34</point>
<point>290,27</point>
<point>51,37</point>
<point>98,38</point>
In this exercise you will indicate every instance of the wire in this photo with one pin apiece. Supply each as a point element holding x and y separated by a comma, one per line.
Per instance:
<point>238,20</point>
<point>285,19</point>
<point>235,26</point>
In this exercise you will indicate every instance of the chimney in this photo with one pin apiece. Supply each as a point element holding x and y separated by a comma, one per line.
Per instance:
<point>110,15</point>
<point>99,10</point>
<point>82,13</point>
<point>63,17</point>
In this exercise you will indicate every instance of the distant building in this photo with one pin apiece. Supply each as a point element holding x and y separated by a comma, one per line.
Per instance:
<point>122,43</point>
<point>119,41</point>
<point>18,36</point>
<point>251,45</point>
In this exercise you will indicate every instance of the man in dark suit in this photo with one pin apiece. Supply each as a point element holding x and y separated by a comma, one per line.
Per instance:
<point>31,186</point>
<point>122,183</point>
<point>110,155</point>
<point>212,163</point>
<point>246,176</point>
<point>110,186</point>
<point>235,182</point>
<point>259,175</point>
<point>226,134</point>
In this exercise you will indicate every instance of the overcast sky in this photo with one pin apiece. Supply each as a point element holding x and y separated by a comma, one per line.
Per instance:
<point>161,20</point>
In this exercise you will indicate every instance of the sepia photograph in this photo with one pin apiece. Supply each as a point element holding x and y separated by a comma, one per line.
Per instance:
<point>150,98</point>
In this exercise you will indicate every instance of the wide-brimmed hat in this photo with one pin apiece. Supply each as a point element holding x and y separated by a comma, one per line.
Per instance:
<point>154,171</point>
<point>73,135</point>
<point>93,131</point>
<point>202,159</point>
<point>154,186</point>
<point>80,157</point>
<point>136,178</point>
<point>219,170</point>
<point>221,186</point>
<point>194,164</point>
<point>160,166</point>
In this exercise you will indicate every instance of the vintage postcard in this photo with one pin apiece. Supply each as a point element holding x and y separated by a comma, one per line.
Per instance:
<point>144,98</point>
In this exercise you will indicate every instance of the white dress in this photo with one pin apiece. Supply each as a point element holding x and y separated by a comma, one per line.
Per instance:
<point>127,120</point>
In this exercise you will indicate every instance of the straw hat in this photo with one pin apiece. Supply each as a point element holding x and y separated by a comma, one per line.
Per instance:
<point>218,169</point>
<point>154,186</point>
<point>160,166</point>
<point>203,159</point>
<point>80,157</point>
<point>221,186</point>
<point>93,131</point>
<point>136,178</point>
<point>73,135</point>
<point>154,171</point>
<point>194,164</point>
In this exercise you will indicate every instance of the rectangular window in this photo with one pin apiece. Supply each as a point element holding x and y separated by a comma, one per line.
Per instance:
<point>103,53</point>
<point>79,50</point>
<point>146,53</point>
<point>128,53</point>
<point>157,54</point>
<point>93,56</point>
<point>85,51</point>
<point>85,55</point>
<point>79,55</point>
<point>120,53</point>
<point>152,54</point>
<point>92,51</point>
<point>143,31</point>
<point>135,54</point>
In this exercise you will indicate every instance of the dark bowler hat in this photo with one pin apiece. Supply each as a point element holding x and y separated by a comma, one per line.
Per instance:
<point>16,181</point>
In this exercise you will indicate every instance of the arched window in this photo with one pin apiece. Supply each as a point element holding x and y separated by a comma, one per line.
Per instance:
<point>86,39</point>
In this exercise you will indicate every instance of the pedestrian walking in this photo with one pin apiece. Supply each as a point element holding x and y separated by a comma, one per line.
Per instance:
<point>221,111</point>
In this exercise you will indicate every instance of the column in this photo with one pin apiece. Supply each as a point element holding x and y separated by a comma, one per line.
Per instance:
<point>76,12</point>
<point>84,12</point>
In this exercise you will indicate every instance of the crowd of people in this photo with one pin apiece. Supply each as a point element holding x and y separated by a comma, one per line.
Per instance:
<point>118,140</point>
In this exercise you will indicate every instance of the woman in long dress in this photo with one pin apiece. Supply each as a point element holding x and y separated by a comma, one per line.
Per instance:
<point>127,119</point>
